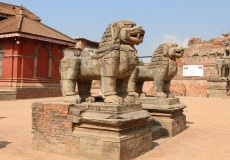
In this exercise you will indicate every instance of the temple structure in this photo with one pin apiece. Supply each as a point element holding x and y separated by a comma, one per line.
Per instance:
<point>30,53</point>
<point>203,54</point>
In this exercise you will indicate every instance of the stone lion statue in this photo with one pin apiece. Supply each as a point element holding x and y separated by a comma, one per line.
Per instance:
<point>221,68</point>
<point>113,64</point>
<point>226,49</point>
<point>223,64</point>
<point>161,70</point>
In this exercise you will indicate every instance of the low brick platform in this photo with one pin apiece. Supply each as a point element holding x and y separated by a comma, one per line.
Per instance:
<point>92,130</point>
<point>7,94</point>
<point>40,92</point>
<point>11,93</point>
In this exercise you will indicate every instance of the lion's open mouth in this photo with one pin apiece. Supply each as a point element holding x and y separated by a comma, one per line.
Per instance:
<point>227,52</point>
<point>133,36</point>
<point>137,35</point>
<point>179,52</point>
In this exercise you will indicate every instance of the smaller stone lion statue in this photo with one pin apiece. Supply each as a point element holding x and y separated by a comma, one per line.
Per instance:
<point>226,49</point>
<point>161,70</point>
<point>223,64</point>
<point>112,64</point>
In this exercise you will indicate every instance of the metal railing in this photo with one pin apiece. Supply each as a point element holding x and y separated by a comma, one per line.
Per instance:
<point>145,59</point>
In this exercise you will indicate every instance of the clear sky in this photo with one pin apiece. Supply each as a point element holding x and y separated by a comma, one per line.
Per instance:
<point>163,20</point>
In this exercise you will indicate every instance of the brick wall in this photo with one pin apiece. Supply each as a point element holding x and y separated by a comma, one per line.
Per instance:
<point>25,93</point>
<point>52,130</point>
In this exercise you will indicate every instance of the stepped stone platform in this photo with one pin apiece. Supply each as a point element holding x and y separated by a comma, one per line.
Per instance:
<point>93,130</point>
<point>167,113</point>
<point>218,87</point>
<point>7,94</point>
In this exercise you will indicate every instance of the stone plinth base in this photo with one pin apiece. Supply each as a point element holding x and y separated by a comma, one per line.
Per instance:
<point>7,94</point>
<point>29,92</point>
<point>167,113</point>
<point>24,88</point>
<point>93,130</point>
<point>217,87</point>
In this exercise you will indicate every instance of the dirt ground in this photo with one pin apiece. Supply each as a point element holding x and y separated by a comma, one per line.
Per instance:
<point>207,136</point>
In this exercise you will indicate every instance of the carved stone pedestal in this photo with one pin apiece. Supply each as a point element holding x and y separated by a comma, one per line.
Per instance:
<point>217,87</point>
<point>167,113</point>
<point>94,130</point>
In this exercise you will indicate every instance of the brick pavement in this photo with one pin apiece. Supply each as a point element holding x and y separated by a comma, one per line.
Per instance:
<point>207,136</point>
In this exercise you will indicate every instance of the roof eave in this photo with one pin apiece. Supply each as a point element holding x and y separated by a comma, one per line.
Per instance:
<point>41,38</point>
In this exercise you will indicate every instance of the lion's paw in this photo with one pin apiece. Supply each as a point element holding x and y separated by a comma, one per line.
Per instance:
<point>171,95</point>
<point>133,94</point>
<point>129,99</point>
<point>160,95</point>
<point>143,95</point>
<point>75,99</point>
<point>90,99</point>
<point>113,99</point>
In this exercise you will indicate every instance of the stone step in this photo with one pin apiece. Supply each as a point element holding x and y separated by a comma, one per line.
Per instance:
<point>157,132</point>
<point>6,94</point>
<point>160,140</point>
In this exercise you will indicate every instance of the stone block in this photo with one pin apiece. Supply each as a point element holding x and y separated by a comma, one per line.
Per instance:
<point>7,94</point>
<point>116,132</point>
<point>157,132</point>
<point>172,125</point>
<point>217,87</point>
<point>217,93</point>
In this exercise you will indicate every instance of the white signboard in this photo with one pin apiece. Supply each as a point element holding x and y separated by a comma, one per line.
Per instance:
<point>193,70</point>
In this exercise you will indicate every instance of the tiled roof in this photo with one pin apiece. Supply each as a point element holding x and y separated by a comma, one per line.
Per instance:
<point>8,10</point>
<point>23,25</point>
<point>84,39</point>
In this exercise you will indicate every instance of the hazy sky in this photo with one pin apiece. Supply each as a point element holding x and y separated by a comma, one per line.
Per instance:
<point>163,20</point>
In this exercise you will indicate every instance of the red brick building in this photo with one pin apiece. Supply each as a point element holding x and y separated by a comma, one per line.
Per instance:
<point>29,55</point>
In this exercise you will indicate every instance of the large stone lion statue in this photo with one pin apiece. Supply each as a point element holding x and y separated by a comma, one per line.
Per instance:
<point>161,70</point>
<point>113,64</point>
